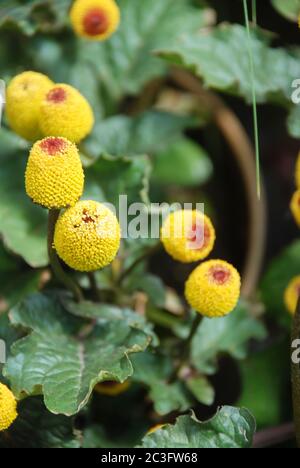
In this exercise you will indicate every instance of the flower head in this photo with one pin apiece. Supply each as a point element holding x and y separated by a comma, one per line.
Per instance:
<point>23,99</point>
<point>54,176</point>
<point>213,288</point>
<point>95,19</point>
<point>66,113</point>
<point>87,236</point>
<point>188,236</point>
<point>111,388</point>
<point>295,207</point>
<point>8,408</point>
<point>292,294</point>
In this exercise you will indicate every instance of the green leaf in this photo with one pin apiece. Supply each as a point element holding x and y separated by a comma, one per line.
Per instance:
<point>112,176</point>
<point>229,335</point>
<point>9,335</point>
<point>35,427</point>
<point>33,16</point>
<point>52,359</point>
<point>182,163</point>
<point>276,279</point>
<point>23,225</point>
<point>152,285</point>
<point>202,390</point>
<point>153,370</point>
<point>221,61</point>
<point>125,62</point>
<point>147,133</point>
<point>290,9</point>
<point>266,385</point>
<point>229,428</point>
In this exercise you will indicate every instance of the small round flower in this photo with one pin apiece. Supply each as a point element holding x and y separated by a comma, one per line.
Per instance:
<point>292,294</point>
<point>295,207</point>
<point>95,19</point>
<point>87,236</point>
<point>8,408</point>
<point>188,236</point>
<point>65,112</point>
<point>54,176</point>
<point>23,99</point>
<point>213,288</point>
<point>111,388</point>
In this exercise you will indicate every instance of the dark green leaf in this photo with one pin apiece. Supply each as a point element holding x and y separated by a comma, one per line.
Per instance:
<point>290,9</point>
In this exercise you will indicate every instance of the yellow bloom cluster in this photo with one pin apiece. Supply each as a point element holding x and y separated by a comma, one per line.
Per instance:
<point>213,288</point>
<point>8,408</point>
<point>23,100</point>
<point>87,236</point>
<point>95,19</point>
<point>188,236</point>
<point>65,112</point>
<point>292,294</point>
<point>36,108</point>
<point>54,176</point>
<point>112,388</point>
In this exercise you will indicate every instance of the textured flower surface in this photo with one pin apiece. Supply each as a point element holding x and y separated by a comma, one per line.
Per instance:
<point>188,236</point>
<point>54,176</point>
<point>213,288</point>
<point>295,207</point>
<point>23,100</point>
<point>66,113</point>
<point>112,388</point>
<point>95,19</point>
<point>291,295</point>
<point>8,408</point>
<point>87,236</point>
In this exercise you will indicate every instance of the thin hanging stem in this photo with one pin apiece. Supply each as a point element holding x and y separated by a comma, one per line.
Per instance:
<point>254,101</point>
<point>254,13</point>
<point>186,347</point>
<point>54,260</point>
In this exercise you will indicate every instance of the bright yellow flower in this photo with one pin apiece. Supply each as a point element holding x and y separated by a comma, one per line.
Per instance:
<point>95,19</point>
<point>213,288</point>
<point>23,99</point>
<point>291,295</point>
<point>87,236</point>
<point>188,236</point>
<point>295,207</point>
<point>112,388</point>
<point>54,176</point>
<point>66,113</point>
<point>8,408</point>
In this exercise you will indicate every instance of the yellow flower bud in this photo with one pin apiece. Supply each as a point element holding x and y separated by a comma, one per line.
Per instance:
<point>8,408</point>
<point>66,113</point>
<point>23,100</point>
<point>95,19</point>
<point>54,176</point>
<point>188,236</point>
<point>213,288</point>
<point>291,295</point>
<point>112,388</point>
<point>295,207</point>
<point>87,236</point>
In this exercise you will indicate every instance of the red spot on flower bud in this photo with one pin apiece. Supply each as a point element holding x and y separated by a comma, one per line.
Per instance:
<point>220,275</point>
<point>95,22</point>
<point>86,218</point>
<point>197,237</point>
<point>53,145</point>
<point>56,95</point>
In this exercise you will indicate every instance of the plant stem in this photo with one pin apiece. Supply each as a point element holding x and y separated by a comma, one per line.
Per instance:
<point>254,13</point>
<point>133,266</point>
<point>296,376</point>
<point>54,260</point>
<point>185,347</point>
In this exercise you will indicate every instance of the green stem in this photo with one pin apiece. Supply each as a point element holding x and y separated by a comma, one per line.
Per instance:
<point>254,101</point>
<point>254,13</point>
<point>186,347</point>
<point>133,266</point>
<point>296,376</point>
<point>54,260</point>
